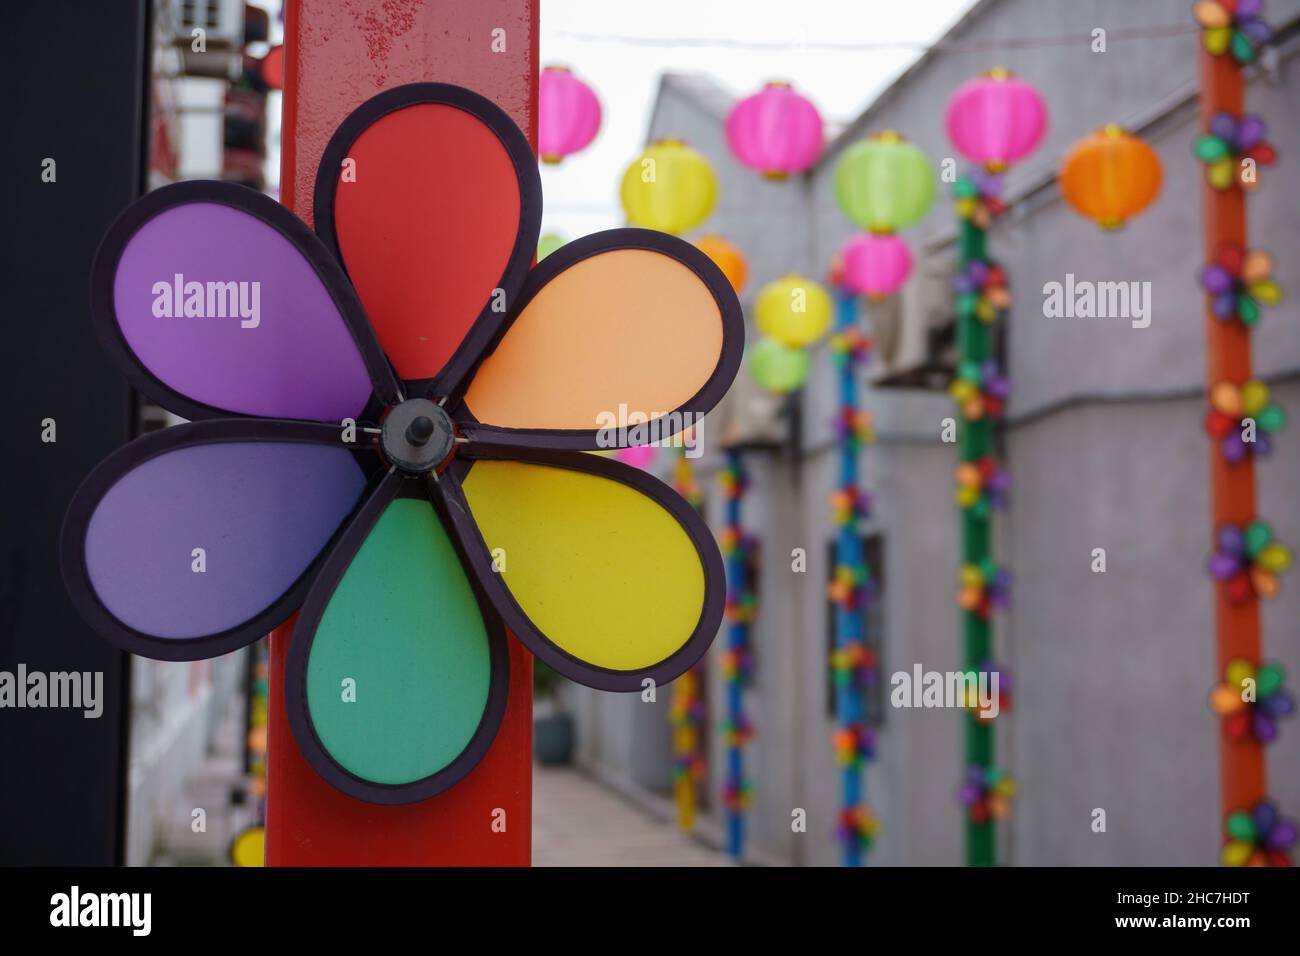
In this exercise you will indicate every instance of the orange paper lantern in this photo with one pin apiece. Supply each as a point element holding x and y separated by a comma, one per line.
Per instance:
<point>727,258</point>
<point>1110,176</point>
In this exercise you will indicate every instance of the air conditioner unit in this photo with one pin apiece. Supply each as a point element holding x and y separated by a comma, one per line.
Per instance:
<point>912,332</point>
<point>222,23</point>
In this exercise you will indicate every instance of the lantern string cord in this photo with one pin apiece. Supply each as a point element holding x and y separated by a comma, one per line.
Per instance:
<point>955,46</point>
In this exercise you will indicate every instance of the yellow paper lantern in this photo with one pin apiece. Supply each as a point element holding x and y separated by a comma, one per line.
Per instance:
<point>669,187</point>
<point>794,310</point>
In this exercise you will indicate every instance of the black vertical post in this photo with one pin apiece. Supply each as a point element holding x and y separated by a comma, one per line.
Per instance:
<point>74,143</point>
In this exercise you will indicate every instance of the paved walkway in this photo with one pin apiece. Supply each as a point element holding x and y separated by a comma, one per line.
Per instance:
<point>580,822</point>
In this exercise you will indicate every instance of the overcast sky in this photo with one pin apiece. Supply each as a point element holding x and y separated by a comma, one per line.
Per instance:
<point>582,193</point>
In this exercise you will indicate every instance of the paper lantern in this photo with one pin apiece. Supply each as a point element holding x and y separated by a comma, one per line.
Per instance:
<point>884,183</point>
<point>568,114</point>
<point>776,131</point>
<point>875,266</point>
<point>549,242</point>
<point>778,368</point>
<point>382,536</point>
<point>996,119</point>
<point>1110,176</point>
<point>638,456</point>
<point>794,310</point>
<point>727,258</point>
<point>669,187</point>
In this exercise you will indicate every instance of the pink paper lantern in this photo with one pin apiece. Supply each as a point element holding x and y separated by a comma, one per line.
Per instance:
<point>568,114</point>
<point>776,131</point>
<point>875,265</point>
<point>996,119</point>
<point>638,456</point>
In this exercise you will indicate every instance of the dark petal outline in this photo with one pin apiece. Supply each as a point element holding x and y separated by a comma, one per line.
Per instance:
<point>72,553</point>
<point>104,313</point>
<point>486,328</point>
<point>570,254</point>
<point>517,620</point>
<point>393,486</point>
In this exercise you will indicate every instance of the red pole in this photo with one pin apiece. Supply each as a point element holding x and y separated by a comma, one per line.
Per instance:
<point>1232,487</point>
<point>337,56</point>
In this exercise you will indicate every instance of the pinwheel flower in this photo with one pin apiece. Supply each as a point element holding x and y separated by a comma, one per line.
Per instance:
<point>1239,282</point>
<point>854,744</point>
<point>984,587</point>
<point>849,344</point>
<point>853,666</point>
<point>987,793</point>
<point>980,389</point>
<point>1229,142</point>
<point>982,486</point>
<point>982,290</point>
<point>1243,419</point>
<point>388,424</point>
<point>854,423</point>
<point>1003,699</point>
<point>737,797</point>
<point>1258,837</point>
<point>1252,709</point>
<point>850,504</point>
<point>736,734</point>
<point>979,197</point>
<point>1233,26</point>
<point>858,827</point>
<point>1247,561</point>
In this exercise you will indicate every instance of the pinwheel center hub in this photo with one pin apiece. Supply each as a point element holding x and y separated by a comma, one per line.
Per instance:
<point>418,436</point>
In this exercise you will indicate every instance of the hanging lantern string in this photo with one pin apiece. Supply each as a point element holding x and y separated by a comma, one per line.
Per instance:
<point>1170,30</point>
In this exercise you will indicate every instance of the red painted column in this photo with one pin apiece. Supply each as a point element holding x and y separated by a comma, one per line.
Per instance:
<point>338,55</point>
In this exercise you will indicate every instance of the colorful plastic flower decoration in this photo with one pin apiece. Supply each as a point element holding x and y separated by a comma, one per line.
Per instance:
<point>982,290</point>
<point>1233,26</point>
<point>987,793</point>
<point>1258,837</point>
<point>982,486</point>
<point>1251,700</point>
<point>775,131</point>
<point>1247,561</point>
<point>980,389</point>
<point>1003,699</point>
<point>854,744</point>
<point>1239,282</point>
<point>568,114</point>
<point>1228,144</point>
<point>984,587</point>
<point>850,345</point>
<point>979,197</point>
<point>388,425</point>
<point>1243,419</point>
<point>854,423</point>
<point>858,827</point>
<point>737,796</point>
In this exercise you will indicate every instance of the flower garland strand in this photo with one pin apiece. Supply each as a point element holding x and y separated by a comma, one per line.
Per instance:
<point>980,390</point>
<point>853,663</point>
<point>686,713</point>
<point>737,550</point>
<point>1242,424</point>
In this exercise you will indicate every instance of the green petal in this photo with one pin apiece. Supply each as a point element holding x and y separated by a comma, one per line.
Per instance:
<point>1258,536</point>
<point>1269,680</point>
<point>1209,148</point>
<point>1240,826</point>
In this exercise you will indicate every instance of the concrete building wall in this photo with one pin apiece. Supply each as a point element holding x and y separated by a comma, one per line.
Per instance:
<point>1105,448</point>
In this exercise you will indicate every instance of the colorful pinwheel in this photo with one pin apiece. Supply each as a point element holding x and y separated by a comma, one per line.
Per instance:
<point>980,389</point>
<point>984,587</point>
<point>857,826</point>
<point>1239,282</point>
<point>1247,561</point>
<point>1233,26</point>
<point>987,793</point>
<point>982,486</point>
<point>1229,143</point>
<point>979,197</point>
<point>854,744</point>
<point>1258,837</point>
<point>982,291</point>
<point>1001,702</point>
<point>388,423</point>
<point>1251,700</point>
<point>1243,419</point>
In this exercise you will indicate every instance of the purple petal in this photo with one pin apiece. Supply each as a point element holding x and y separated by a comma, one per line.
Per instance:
<point>1257,31</point>
<point>1233,448</point>
<point>1250,132</point>
<point>1224,126</point>
<point>1230,540</point>
<point>1281,836</point>
<point>1216,279</point>
<point>1265,816</point>
<point>1265,729</point>
<point>1225,306</point>
<point>1249,8</point>
<point>1262,445</point>
<point>1223,566</point>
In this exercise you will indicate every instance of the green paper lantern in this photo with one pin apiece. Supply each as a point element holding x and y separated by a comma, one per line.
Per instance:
<point>548,244</point>
<point>884,183</point>
<point>778,368</point>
